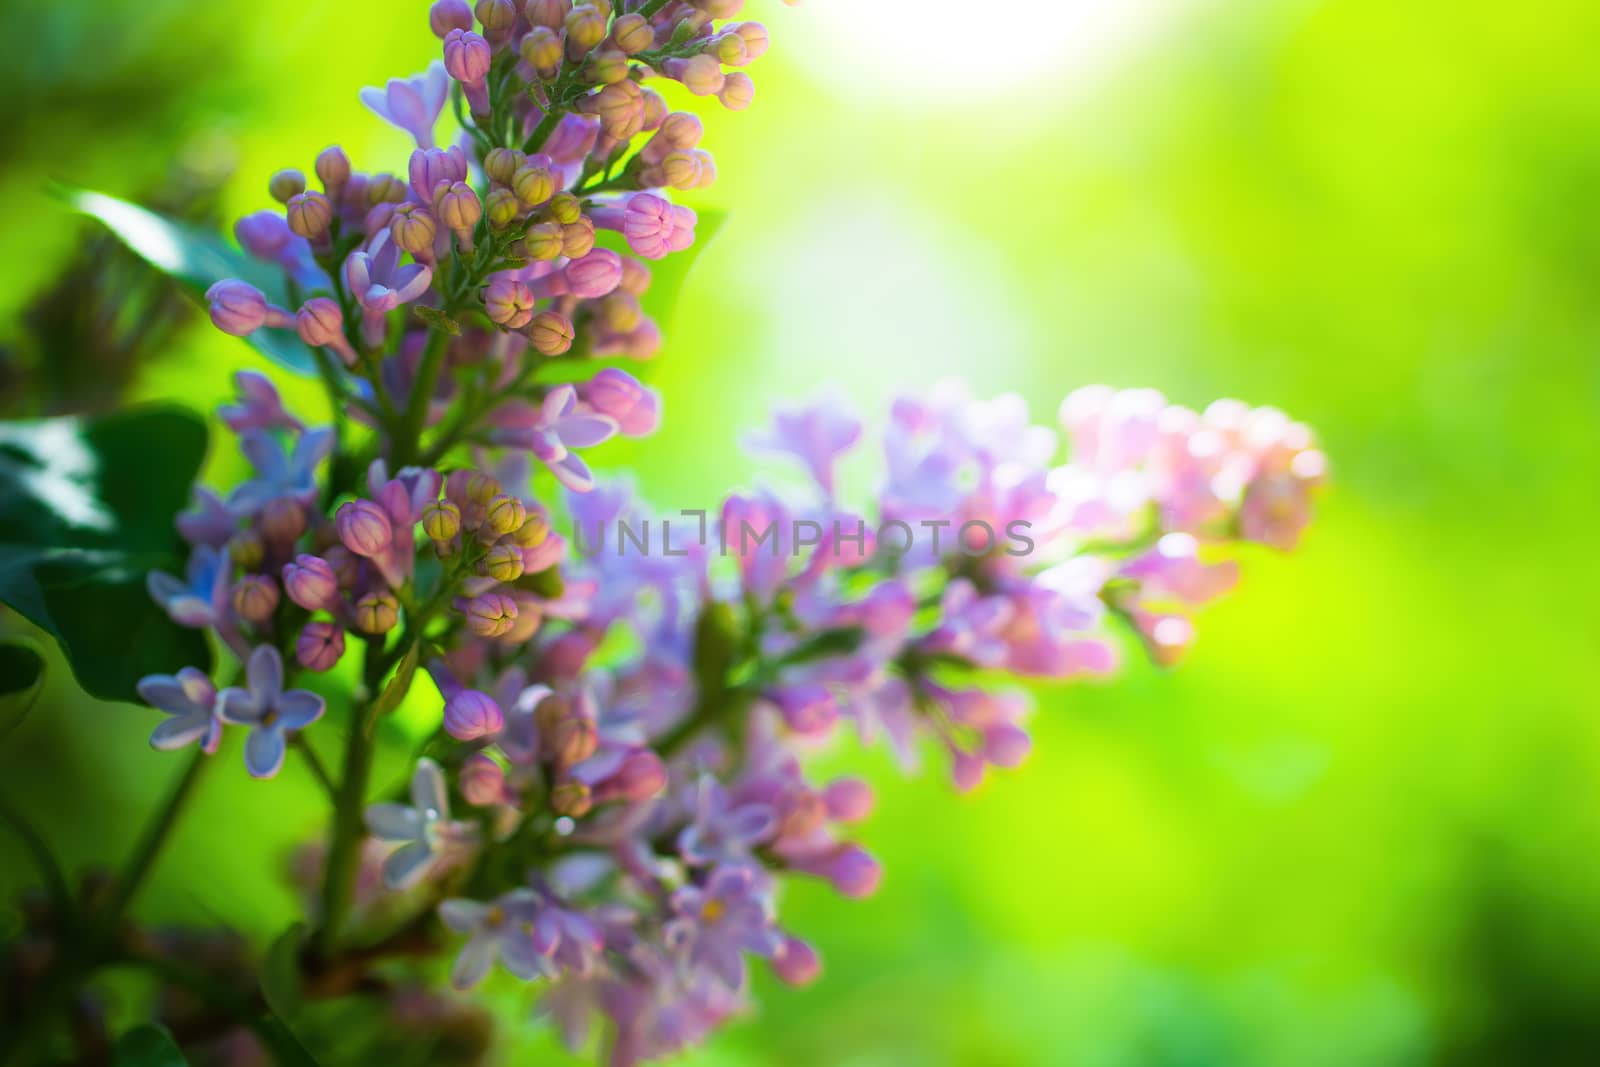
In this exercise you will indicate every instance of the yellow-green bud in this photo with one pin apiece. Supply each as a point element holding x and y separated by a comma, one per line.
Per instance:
<point>533,185</point>
<point>586,27</point>
<point>564,208</point>
<point>245,549</point>
<point>543,241</point>
<point>572,799</point>
<point>385,189</point>
<point>501,207</point>
<point>532,533</point>
<point>505,514</point>
<point>377,612</point>
<point>608,68</point>
<point>541,50</point>
<point>441,521</point>
<point>633,33</point>
<point>285,184</point>
<point>503,562</point>
<point>501,163</point>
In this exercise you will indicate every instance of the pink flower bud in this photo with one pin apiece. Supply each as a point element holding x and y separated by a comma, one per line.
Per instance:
<point>796,963</point>
<point>319,646</point>
<point>508,302</point>
<point>547,13</point>
<point>738,92</point>
<point>595,275</point>
<point>482,780</point>
<point>311,583</point>
<point>320,324</point>
<point>574,739</point>
<point>413,229</point>
<point>237,308</point>
<point>854,873</point>
<point>309,214</point>
<point>577,238</point>
<point>551,333</point>
<point>363,527</point>
<point>490,615</point>
<point>807,709</point>
<point>458,207</point>
<point>282,521</point>
<point>333,169</point>
<point>701,74</point>
<point>572,799</point>
<point>255,598</point>
<point>641,776</point>
<point>1005,745</point>
<point>619,394</point>
<point>633,33</point>
<point>754,34</point>
<point>447,15</point>
<point>848,799</point>
<point>470,715</point>
<point>467,57</point>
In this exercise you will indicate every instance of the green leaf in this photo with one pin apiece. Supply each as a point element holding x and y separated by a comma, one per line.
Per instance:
<point>86,512</point>
<point>398,686</point>
<point>436,319</point>
<point>840,641</point>
<point>198,259</point>
<point>716,638</point>
<point>147,1046</point>
<point>280,972</point>
<point>21,679</point>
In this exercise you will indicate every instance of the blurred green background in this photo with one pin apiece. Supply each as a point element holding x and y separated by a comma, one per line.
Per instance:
<point>1360,825</point>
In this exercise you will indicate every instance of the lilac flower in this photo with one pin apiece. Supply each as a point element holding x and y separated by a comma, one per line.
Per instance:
<point>718,922</point>
<point>816,435</point>
<point>552,431</point>
<point>259,407</point>
<point>208,521</point>
<point>652,226</point>
<point>268,710</point>
<point>190,699</point>
<point>413,104</point>
<point>501,930</point>
<point>280,474</point>
<point>380,282</point>
<point>423,828</point>
<point>722,831</point>
<point>200,598</point>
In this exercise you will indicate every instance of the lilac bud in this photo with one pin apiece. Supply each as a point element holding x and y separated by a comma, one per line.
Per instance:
<point>413,229</point>
<point>441,521</point>
<point>309,214</point>
<point>728,49</point>
<point>237,308</point>
<point>796,963</point>
<point>1006,745</point>
<point>508,302</point>
<point>586,27</point>
<point>754,34</point>
<point>428,168</point>
<point>501,163</point>
<point>263,234</point>
<point>245,549</point>
<point>501,207</point>
<point>447,15</point>
<point>503,563</point>
<point>577,238</point>
<point>497,16</point>
<point>807,709</point>
<point>572,799</point>
<point>470,715</point>
<point>551,333</point>
<point>363,527</point>
<point>853,872</point>
<point>620,395</point>
<point>619,311</point>
<point>595,275</point>
<point>255,598</point>
<point>701,74</point>
<point>467,57</point>
<point>504,514</point>
<point>574,740</point>
<point>550,14</point>
<point>543,241</point>
<point>311,583</point>
<point>608,67</point>
<point>533,533</point>
<point>282,521</point>
<point>848,799</point>
<point>564,208</point>
<point>635,276</point>
<point>333,169</point>
<point>737,92</point>
<point>541,49</point>
<point>533,184</point>
<point>633,33</point>
<point>286,184</point>
<point>641,776</point>
<point>458,207</point>
<point>385,189</point>
<point>377,612</point>
<point>319,646</point>
<point>490,615</point>
<point>482,780</point>
<point>346,567</point>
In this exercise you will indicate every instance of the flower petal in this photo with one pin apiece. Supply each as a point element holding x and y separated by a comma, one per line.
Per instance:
<point>299,708</point>
<point>394,822</point>
<point>407,865</point>
<point>263,751</point>
<point>265,672</point>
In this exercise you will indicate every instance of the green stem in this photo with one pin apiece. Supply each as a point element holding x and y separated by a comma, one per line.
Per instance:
<point>344,843</point>
<point>408,439</point>
<point>155,836</point>
<point>652,6</point>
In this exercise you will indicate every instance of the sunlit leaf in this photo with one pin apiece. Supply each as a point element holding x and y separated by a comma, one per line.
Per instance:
<point>198,258</point>
<point>86,512</point>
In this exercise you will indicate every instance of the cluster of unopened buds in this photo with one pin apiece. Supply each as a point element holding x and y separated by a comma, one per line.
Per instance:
<point>616,785</point>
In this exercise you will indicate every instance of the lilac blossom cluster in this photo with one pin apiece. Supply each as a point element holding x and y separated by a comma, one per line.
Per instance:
<point>616,786</point>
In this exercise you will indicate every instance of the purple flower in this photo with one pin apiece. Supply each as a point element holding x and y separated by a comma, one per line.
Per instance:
<point>718,922</point>
<point>190,699</point>
<point>280,474</point>
<point>208,521</point>
<point>259,407</point>
<point>653,227</point>
<point>620,396</point>
<point>552,431</point>
<point>200,598</point>
<point>380,282</point>
<point>431,167</point>
<point>423,828</point>
<point>504,930</point>
<point>311,583</point>
<point>268,710</point>
<point>414,103</point>
<point>240,309</point>
<point>816,435</point>
<point>722,831</point>
<point>470,715</point>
